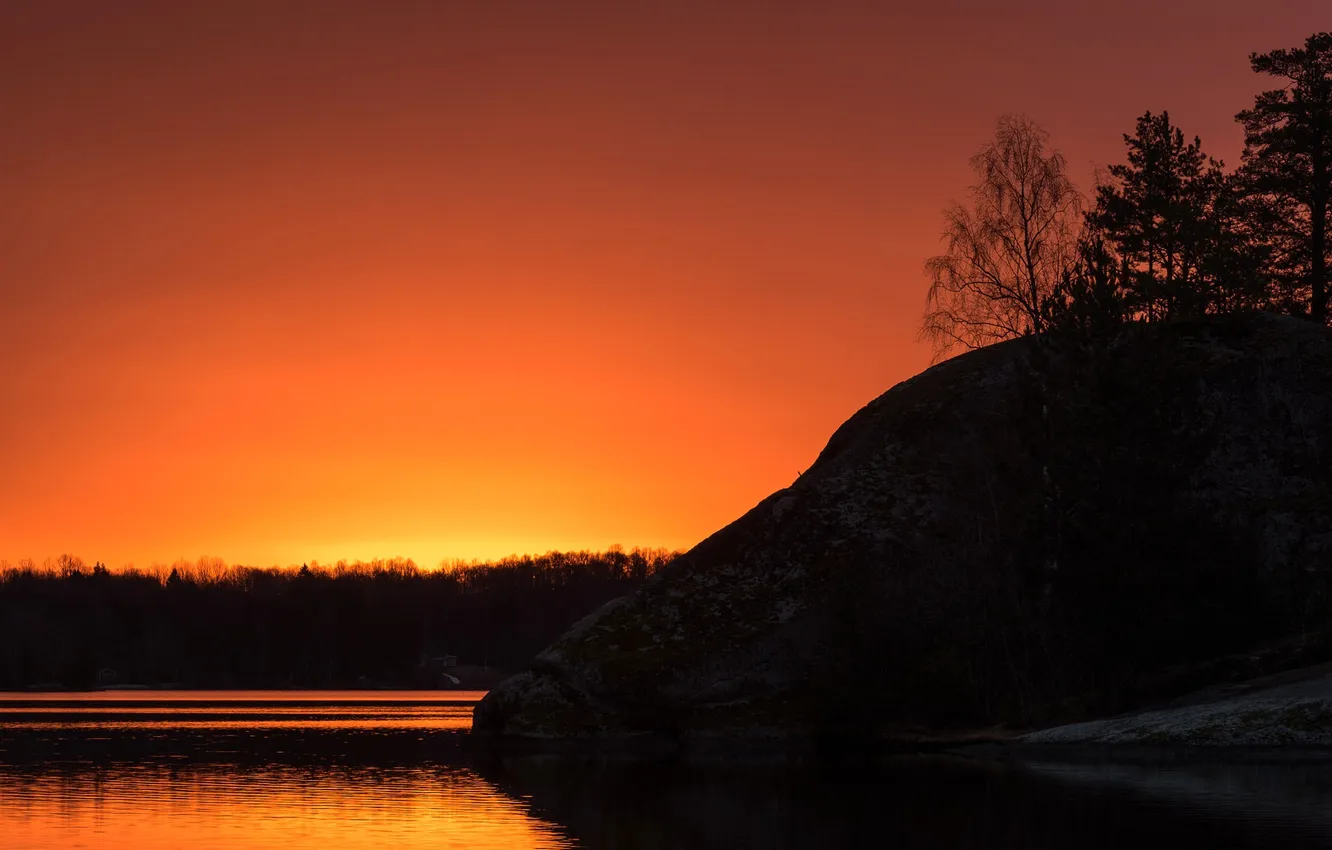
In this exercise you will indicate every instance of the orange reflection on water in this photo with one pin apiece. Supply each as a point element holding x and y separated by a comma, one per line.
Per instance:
<point>160,717</point>
<point>251,769</point>
<point>361,697</point>
<point>147,807</point>
<point>456,721</point>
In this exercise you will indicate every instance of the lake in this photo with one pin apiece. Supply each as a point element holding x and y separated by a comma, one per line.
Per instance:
<point>358,769</point>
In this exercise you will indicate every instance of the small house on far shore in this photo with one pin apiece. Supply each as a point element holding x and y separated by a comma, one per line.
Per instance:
<point>438,663</point>
<point>433,671</point>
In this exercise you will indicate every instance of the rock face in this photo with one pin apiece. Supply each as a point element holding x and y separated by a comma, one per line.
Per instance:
<point>1036,532</point>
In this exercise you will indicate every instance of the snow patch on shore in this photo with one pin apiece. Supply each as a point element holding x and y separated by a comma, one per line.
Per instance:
<point>1295,714</point>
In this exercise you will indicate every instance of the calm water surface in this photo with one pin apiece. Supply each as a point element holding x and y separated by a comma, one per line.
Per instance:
<point>304,769</point>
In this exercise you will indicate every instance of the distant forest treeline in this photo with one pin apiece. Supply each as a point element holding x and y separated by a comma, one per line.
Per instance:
<point>207,624</point>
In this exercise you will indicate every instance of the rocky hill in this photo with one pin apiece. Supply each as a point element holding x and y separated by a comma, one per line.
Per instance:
<point>1041,531</point>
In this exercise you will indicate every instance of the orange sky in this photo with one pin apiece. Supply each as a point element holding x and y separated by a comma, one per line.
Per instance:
<point>314,280</point>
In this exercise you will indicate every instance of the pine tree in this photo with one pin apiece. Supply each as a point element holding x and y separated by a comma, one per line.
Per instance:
<point>1090,298</point>
<point>1170,218</point>
<point>1287,171</point>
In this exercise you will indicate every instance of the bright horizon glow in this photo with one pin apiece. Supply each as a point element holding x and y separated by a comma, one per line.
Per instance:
<point>468,280</point>
<point>367,553</point>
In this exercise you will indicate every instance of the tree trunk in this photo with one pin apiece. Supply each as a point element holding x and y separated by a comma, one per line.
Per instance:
<point>1318,245</point>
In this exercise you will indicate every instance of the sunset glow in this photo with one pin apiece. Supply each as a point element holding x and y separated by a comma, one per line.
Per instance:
<point>301,281</point>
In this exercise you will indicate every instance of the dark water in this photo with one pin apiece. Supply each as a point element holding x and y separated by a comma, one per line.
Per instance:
<point>361,769</point>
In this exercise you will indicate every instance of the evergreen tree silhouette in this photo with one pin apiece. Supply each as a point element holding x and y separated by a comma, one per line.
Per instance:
<point>1169,215</point>
<point>1287,170</point>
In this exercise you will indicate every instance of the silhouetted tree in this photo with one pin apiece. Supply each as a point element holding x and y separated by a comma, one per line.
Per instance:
<point>1287,170</point>
<point>1090,298</point>
<point>1170,217</point>
<point>1009,248</point>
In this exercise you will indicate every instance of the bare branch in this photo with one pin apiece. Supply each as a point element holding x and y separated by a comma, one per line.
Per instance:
<point>1006,251</point>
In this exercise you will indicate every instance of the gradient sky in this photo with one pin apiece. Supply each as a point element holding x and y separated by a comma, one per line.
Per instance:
<point>283,281</point>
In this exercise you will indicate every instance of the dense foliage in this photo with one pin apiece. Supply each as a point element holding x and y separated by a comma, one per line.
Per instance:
<point>206,624</point>
<point>1170,234</point>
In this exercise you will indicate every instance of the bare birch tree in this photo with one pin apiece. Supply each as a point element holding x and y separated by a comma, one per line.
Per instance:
<point>1006,250</point>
